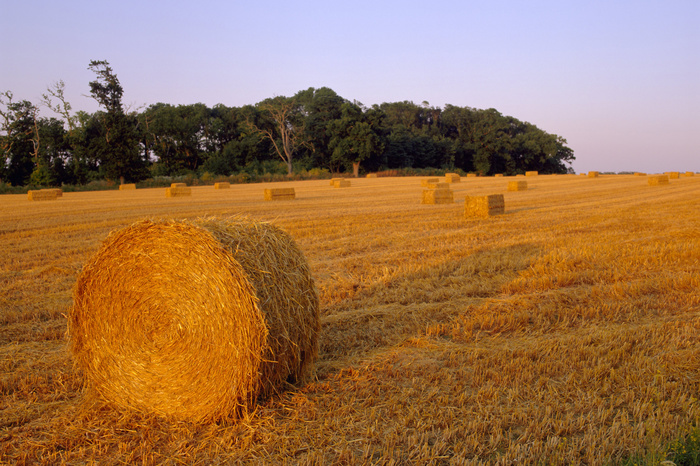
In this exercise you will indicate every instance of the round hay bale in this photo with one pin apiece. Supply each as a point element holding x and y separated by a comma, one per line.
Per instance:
<point>194,320</point>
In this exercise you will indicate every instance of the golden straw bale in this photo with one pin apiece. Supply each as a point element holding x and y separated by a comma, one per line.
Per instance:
<point>471,175</point>
<point>124,187</point>
<point>689,173</point>
<point>438,196</point>
<point>531,173</point>
<point>178,191</point>
<point>222,185</point>
<point>341,183</point>
<point>593,174</point>
<point>517,186</point>
<point>279,194</point>
<point>452,177</point>
<point>194,320</point>
<point>42,194</point>
<point>656,180</point>
<point>640,174</point>
<point>59,191</point>
<point>371,175</point>
<point>484,206</point>
<point>178,185</point>
<point>428,181</point>
<point>333,180</point>
<point>498,175</point>
<point>672,175</point>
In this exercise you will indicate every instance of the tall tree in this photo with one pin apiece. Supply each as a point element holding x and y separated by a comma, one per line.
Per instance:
<point>18,139</point>
<point>118,150</point>
<point>283,124</point>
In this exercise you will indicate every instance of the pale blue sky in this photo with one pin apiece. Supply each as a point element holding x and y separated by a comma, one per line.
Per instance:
<point>620,80</point>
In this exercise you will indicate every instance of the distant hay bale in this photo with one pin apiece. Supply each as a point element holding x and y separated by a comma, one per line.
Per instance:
<point>452,177</point>
<point>178,191</point>
<point>672,175</point>
<point>279,194</point>
<point>517,186</point>
<point>656,180</point>
<point>484,206</point>
<point>178,185</point>
<point>498,175</point>
<point>593,174</point>
<point>428,181</point>
<point>42,194</point>
<point>59,191</point>
<point>333,180</point>
<point>437,185</point>
<point>194,320</point>
<point>438,196</point>
<point>222,185</point>
<point>125,187</point>
<point>689,173</point>
<point>532,173</point>
<point>341,183</point>
<point>640,174</point>
<point>371,175</point>
<point>471,175</point>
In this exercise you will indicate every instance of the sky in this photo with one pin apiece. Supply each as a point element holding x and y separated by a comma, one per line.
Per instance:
<point>618,79</point>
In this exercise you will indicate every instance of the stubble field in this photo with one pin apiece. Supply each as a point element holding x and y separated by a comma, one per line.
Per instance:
<point>565,331</point>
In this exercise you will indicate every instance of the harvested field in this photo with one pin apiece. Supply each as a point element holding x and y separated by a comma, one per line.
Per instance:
<point>564,331</point>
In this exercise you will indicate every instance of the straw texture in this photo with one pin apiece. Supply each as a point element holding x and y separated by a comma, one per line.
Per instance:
<point>42,195</point>
<point>484,206</point>
<point>371,175</point>
<point>437,196</point>
<point>656,180</point>
<point>279,194</point>
<point>531,173</point>
<point>672,175</point>
<point>222,185</point>
<point>429,181</point>
<point>194,320</point>
<point>341,183</point>
<point>125,187</point>
<point>178,185</point>
<point>178,191</point>
<point>452,177</point>
<point>517,186</point>
<point>593,174</point>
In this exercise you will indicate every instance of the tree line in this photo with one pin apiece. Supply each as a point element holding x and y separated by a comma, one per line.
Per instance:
<point>315,128</point>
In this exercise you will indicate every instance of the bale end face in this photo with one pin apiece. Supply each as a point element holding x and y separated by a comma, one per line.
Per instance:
<point>222,185</point>
<point>517,186</point>
<point>341,183</point>
<point>452,178</point>
<point>279,194</point>
<point>437,196</point>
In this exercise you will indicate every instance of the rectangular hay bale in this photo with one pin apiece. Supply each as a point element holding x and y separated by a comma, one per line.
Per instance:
<point>532,173</point>
<point>333,180</point>
<point>452,177</point>
<point>279,194</point>
<point>371,175</point>
<point>341,183</point>
<point>656,180</point>
<point>438,196</point>
<point>178,191</point>
<point>428,181</point>
<point>437,185</point>
<point>484,206</point>
<point>672,175</point>
<point>640,174</point>
<point>41,195</point>
<point>517,186</point>
<point>222,185</point>
<point>128,186</point>
<point>593,174</point>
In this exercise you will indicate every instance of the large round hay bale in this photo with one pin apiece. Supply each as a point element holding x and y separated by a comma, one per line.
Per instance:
<point>194,320</point>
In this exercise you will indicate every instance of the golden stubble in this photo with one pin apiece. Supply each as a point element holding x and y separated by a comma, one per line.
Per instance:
<point>563,331</point>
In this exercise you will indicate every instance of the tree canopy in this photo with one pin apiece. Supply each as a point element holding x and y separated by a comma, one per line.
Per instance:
<point>315,128</point>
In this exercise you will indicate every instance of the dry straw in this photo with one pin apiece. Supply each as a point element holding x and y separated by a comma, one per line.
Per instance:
<point>178,185</point>
<point>672,175</point>
<point>640,174</point>
<point>438,193</point>
<point>471,175</point>
<point>279,194</point>
<point>452,177</point>
<point>531,173</point>
<point>124,187</point>
<point>194,320</point>
<point>178,191</point>
<point>656,180</point>
<point>484,206</point>
<point>517,186</point>
<point>371,175</point>
<point>593,174</point>
<point>689,173</point>
<point>333,180</point>
<point>42,194</point>
<point>498,175</point>
<point>341,183</point>
<point>222,185</point>
<point>429,181</point>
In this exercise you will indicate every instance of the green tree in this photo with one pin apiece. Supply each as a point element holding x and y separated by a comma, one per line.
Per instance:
<point>118,148</point>
<point>354,137</point>
<point>18,139</point>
